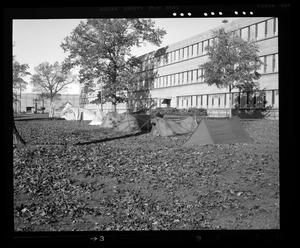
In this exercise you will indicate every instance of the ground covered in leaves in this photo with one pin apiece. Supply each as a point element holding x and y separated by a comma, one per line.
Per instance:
<point>72,176</point>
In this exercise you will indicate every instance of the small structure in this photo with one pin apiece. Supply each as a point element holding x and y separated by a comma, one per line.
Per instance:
<point>219,131</point>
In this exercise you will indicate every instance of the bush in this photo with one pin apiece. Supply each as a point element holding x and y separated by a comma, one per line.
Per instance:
<point>179,112</point>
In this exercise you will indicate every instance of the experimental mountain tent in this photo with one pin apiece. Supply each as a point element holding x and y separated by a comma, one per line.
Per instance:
<point>173,125</point>
<point>126,122</point>
<point>75,114</point>
<point>219,131</point>
<point>98,119</point>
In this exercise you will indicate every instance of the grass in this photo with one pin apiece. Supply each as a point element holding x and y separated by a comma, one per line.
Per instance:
<point>73,176</point>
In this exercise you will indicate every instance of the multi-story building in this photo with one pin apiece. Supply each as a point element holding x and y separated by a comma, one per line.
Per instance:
<point>176,74</point>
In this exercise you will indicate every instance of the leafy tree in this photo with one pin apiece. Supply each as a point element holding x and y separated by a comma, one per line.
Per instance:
<point>19,72</point>
<point>232,63</point>
<point>102,48</point>
<point>49,80</point>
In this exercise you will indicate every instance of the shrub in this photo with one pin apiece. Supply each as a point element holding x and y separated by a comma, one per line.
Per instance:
<point>179,112</point>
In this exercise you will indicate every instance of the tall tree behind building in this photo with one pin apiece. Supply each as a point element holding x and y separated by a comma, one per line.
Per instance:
<point>102,48</point>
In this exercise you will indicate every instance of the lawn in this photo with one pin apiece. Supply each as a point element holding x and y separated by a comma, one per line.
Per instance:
<point>72,176</point>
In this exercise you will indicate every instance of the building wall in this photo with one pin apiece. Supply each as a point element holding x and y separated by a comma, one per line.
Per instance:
<point>179,76</point>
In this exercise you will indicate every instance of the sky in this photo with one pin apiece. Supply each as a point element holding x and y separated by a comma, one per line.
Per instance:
<point>38,40</point>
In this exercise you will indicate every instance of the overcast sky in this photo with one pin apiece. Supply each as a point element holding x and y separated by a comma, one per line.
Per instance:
<point>37,41</point>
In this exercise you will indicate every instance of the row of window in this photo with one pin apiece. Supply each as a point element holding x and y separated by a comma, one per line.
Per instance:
<point>241,100</point>
<point>196,76</point>
<point>256,32</point>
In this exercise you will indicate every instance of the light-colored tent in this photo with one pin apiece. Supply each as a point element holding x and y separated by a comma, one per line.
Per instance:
<point>126,122</point>
<point>121,122</point>
<point>75,114</point>
<point>219,131</point>
<point>61,109</point>
<point>98,119</point>
<point>169,126</point>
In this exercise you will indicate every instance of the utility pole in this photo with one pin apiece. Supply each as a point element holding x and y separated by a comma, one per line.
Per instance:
<point>20,97</point>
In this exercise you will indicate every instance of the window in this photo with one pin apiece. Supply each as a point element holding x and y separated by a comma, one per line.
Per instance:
<point>186,52</point>
<point>182,77</point>
<point>187,76</point>
<point>275,26</point>
<point>177,55</point>
<point>200,48</point>
<point>265,64</point>
<point>270,28</point>
<point>245,33</point>
<point>169,58</point>
<point>273,62</point>
<point>210,42</point>
<point>269,60</point>
<point>261,30</point>
<point>252,32</point>
<point>194,76</point>
<point>205,44</point>
<point>201,100</point>
<point>273,97</point>
<point>266,28</point>
<point>182,53</point>
<point>195,48</point>
<point>191,51</point>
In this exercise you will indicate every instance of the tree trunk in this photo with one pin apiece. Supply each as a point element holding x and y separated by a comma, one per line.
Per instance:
<point>114,107</point>
<point>51,111</point>
<point>230,102</point>
<point>17,138</point>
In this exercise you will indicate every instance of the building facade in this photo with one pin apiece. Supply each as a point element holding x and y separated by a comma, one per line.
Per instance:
<point>29,102</point>
<point>177,75</point>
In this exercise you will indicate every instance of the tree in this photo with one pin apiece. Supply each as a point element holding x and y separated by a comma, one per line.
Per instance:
<point>19,71</point>
<point>102,48</point>
<point>49,80</point>
<point>232,63</point>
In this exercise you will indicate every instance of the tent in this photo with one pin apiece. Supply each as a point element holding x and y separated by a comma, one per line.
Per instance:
<point>172,126</point>
<point>75,114</point>
<point>219,131</point>
<point>98,119</point>
<point>121,122</point>
<point>110,120</point>
<point>126,122</point>
<point>63,109</point>
<point>144,121</point>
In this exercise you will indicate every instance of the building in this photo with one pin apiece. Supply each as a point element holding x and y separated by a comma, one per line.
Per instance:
<point>176,76</point>
<point>29,102</point>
